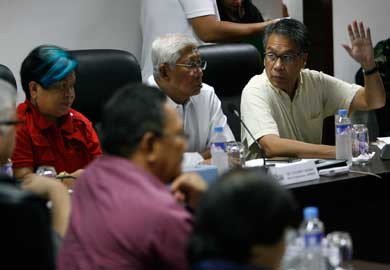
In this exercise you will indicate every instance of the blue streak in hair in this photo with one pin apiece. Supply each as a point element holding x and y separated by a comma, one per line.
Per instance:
<point>61,67</point>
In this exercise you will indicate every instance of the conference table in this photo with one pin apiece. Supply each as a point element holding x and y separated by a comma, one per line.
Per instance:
<point>358,203</point>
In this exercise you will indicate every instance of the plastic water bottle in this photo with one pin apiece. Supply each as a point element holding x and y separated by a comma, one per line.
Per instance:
<point>219,156</point>
<point>7,168</point>
<point>343,136</point>
<point>312,232</point>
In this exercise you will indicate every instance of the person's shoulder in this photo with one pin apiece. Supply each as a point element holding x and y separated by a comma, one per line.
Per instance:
<point>256,82</point>
<point>78,116</point>
<point>23,110</point>
<point>315,76</point>
<point>207,89</point>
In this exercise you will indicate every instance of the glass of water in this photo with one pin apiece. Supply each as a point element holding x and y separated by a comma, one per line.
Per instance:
<point>48,171</point>
<point>339,249</point>
<point>235,153</point>
<point>360,145</point>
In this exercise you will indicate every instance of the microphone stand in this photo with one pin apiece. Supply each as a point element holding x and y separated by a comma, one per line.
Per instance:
<point>233,110</point>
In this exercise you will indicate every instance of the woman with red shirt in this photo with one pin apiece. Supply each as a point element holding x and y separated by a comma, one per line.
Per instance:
<point>53,133</point>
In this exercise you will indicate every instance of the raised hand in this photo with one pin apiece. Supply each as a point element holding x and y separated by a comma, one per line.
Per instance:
<point>361,48</point>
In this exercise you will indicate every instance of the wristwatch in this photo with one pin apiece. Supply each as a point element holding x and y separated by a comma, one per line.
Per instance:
<point>370,71</point>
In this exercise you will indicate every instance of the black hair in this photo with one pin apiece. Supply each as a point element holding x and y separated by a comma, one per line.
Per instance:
<point>243,209</point>
<point>46,65</point>
<point>7,75</point>
<point>131,112</point>
<point>292,29</point>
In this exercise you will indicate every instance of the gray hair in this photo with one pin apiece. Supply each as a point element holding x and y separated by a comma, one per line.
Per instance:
<point>293,30</point>
<point>167,50</point>
<point>7,103</point>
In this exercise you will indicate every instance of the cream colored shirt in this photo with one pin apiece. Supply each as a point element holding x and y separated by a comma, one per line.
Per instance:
<point>269,110</point>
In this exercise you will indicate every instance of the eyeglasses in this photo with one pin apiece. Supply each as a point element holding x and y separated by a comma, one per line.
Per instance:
<point>11,122</point>
<point>285,58</point>
<point>195,65</point>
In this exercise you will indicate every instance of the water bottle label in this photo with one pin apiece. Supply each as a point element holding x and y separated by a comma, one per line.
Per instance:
<point>313,239</point>
<point>7,169</point>
<point>340,129</point>
<point>220,145</point>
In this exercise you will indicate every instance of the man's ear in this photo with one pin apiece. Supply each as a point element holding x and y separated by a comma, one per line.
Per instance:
<point>33,89</point>
<point>164,71</point>
<point>148,146</point>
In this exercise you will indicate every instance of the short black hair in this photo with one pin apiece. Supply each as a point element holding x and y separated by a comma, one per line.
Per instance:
<point>244,208</point>
<point>131,112</point>
<point>46,64</point>
<point>7,75</point>
<point>292,29</point>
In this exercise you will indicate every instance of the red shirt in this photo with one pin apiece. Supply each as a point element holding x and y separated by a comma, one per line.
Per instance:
<point>69,146</point>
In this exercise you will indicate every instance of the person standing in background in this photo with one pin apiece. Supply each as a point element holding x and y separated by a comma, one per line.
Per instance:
<point>198,19</point>
<point>243,11</point>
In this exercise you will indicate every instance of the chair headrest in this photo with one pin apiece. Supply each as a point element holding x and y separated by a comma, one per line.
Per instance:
<point>230,66</point>
<point>100,72</point>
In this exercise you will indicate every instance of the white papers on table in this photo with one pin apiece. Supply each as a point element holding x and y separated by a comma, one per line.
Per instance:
<point>289,172</point>
<point>382,141</point>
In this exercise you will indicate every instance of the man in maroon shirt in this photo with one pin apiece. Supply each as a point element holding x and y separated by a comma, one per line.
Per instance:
<point>124,216</point>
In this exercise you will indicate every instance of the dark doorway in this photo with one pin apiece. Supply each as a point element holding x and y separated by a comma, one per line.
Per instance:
<point>318,17</point>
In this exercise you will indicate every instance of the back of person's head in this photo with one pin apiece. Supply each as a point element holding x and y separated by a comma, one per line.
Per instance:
<point>26,236</point>
<point>128,115</point>
<point>167,50</point>
<point>293,30</point>
<point>7,104</point>
<point>242,210</point>
<point>7,75</point>
<point>46,65</point>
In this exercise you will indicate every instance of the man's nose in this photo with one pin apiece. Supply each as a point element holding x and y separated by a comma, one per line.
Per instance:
<point>278,63</point>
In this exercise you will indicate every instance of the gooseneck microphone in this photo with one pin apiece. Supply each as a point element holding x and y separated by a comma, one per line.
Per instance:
<point>233,109</point>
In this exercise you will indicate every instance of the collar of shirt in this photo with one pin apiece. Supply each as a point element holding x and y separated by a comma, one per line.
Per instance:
<point>282,92</point>
<point>42,123</point>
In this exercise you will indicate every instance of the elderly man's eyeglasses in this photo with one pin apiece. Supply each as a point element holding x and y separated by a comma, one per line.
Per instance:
<point>195,65</point>
<point>285,58</point>
<point>11,122</point>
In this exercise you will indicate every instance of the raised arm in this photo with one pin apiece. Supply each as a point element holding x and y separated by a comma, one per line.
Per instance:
<point>274,146</point>
<point>372,95</point>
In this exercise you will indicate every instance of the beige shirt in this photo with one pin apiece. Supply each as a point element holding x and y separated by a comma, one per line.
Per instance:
<point>269,110</point>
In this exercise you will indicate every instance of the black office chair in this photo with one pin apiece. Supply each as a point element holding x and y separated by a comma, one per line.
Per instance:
<point>100,72</point>
<point>7,75</point>
<point>229,68</point>
<point>26,235</point>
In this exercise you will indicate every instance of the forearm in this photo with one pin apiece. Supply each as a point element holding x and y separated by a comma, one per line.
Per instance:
<point>374,91</point>
<point>278,147</point>
<point>54,191</point>
<point>60,199</point>
<point>209,29</point>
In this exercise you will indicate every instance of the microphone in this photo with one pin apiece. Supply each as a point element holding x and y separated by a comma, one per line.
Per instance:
<point>233,109</point>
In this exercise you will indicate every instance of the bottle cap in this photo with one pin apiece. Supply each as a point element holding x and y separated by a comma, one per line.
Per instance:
<point>310,212</point>
<point>343,112</point>
<point>218,129</point>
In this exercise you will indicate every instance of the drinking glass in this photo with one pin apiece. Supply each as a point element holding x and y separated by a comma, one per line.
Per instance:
<point>360,145</point>
<point>48,171</point>
<point>339,249</point>
<point>235,153</point>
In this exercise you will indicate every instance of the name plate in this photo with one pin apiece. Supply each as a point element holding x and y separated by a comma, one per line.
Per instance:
<point>297,172</point>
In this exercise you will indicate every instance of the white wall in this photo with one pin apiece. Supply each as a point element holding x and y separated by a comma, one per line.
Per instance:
<point>374,13</point>
<point>271,9</point>
<point>295,9</point>
<point>74,24</point>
